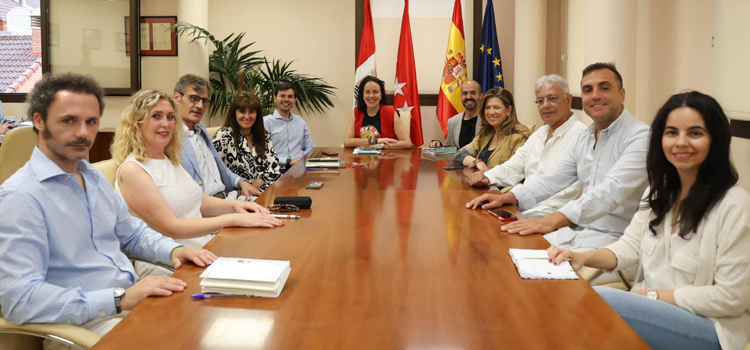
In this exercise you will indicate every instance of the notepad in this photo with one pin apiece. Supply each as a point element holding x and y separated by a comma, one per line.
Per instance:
<point>534,264</point>
<point>258,277</point>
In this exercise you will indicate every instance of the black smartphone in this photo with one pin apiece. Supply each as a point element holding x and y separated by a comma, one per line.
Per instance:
<point>452,167</point>
<point>503,215</point>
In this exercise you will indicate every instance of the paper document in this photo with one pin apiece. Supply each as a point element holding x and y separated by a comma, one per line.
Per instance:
<point>534,264</point>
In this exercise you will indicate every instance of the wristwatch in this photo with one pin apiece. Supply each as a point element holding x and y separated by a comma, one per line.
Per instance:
<point>119,294</point>
<point>288,163</point>
<point>652,294</point>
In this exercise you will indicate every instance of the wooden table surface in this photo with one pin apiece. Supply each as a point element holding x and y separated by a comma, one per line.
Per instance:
<point>386,258</point>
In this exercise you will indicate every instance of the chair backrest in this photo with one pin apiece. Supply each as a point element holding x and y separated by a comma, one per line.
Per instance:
<point>212,131</point>
<point>406,121</point>
<point>108,168</point>
<point>16,149</point>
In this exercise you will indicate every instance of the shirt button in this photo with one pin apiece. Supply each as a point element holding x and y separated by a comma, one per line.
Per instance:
<point>200,183</point>
<point>78,191</point>
<point>69,322</point>
<point>103,314</point>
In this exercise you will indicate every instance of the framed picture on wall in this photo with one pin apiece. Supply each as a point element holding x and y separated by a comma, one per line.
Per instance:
<point>156,37</point>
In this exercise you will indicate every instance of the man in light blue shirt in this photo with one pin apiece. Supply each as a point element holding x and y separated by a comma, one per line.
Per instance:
<point>289,132</point>
<point>608,159</point>
<point>64,229</point>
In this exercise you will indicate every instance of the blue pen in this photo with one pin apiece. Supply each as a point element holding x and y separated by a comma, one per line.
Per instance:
<point>217,296</point>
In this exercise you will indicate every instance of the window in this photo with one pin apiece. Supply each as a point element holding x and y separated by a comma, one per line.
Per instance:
<point>86,37</point>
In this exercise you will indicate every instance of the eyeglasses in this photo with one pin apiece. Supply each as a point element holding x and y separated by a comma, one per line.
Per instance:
<point>551,98</point>
<point>195,99</point>
<point>283,208</point>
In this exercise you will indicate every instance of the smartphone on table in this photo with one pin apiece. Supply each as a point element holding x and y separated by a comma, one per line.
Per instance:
<point>503,215</point>
<point>315,185</point>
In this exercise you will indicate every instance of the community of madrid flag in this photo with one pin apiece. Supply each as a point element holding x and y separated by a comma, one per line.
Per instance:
<point>366,57</point>
<point>406,94</point>
<point>490,69</point>
<point>454,72</point>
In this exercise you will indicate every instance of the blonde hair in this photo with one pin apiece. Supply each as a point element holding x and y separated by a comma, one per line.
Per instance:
<point>510,125</point>
<point>129,137</point>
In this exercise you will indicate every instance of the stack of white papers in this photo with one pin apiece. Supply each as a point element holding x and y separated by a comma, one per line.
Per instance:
<point>323,163</point>
<point>256,277</point>
<point>534,264</point>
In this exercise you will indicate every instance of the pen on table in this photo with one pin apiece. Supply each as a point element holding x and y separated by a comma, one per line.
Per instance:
<point>219,296</point>
<point>285,216</point>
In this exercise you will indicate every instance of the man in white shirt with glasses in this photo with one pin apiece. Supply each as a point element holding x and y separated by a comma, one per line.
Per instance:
<point>543,149</point>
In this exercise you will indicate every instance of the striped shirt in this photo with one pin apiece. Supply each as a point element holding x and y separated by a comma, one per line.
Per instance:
<point>61,246</point>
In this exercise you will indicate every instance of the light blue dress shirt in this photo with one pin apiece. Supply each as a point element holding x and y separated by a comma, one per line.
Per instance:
<point>291,138</point>
<point>61,245</point>
<point>612,173</point>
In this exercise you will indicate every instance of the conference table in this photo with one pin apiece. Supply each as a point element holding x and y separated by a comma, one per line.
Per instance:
<point>387,257</point>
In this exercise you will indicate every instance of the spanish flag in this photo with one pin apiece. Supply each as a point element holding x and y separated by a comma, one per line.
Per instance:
<point>454,72</point>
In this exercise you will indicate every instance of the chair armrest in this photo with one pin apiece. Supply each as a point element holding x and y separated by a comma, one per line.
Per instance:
<point>74,336</point>
<point>590,274</point>
<point>164,266</point>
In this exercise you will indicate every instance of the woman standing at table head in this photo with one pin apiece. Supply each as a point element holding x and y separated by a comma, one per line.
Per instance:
<point>156,187</point>
<point>245,146</point>
<point>690,239</point>
<point>500,135</point>
<point>373,122</point>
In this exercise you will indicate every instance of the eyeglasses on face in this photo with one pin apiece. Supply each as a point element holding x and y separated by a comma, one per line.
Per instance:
<point>283,208</point>
<point>195,99</point>
<point>541,100</point>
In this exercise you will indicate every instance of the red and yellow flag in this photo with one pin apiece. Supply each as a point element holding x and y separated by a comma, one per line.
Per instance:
<point>454,72</point>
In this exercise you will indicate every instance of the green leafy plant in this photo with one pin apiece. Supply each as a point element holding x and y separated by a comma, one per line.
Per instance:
<point>233,67</point>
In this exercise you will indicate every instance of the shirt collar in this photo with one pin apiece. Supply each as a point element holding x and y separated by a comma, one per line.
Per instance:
<point>615,126</point>
<point>196,130</point>
<point>277,115</point>
<point>559,132</point>
<point>45,168</point>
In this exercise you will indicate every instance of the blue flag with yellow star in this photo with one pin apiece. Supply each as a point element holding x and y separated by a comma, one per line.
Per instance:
<point>490,68</point>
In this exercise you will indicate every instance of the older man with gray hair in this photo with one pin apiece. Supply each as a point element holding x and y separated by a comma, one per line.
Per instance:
<point>543,149</point>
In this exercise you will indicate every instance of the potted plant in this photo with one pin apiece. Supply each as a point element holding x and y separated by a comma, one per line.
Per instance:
<point>233,67</point>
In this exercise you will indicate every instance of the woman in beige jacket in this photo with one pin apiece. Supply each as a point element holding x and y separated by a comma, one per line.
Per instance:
<point>500,136</point>
<point>690,240</point>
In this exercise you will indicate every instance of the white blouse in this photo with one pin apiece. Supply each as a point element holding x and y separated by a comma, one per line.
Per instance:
<point>180,191</point>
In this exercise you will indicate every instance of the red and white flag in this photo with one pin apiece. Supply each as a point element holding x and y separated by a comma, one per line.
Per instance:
<point>406,93</point>
<point>366,57</point>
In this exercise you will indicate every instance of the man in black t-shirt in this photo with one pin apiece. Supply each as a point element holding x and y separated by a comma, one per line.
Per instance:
<point>463,126</point>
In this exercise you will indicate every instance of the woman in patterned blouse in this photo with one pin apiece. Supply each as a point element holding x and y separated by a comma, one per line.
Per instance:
<point>242,128</point>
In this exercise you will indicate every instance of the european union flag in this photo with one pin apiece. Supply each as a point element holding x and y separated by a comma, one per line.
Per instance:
<point>490,69</point>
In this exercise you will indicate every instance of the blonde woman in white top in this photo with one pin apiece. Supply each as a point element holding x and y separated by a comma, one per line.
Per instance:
<point>690,240</point>
<point>155,186</point>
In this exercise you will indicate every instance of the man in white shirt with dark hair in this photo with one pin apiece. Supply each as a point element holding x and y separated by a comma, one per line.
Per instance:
<point>543,149</point>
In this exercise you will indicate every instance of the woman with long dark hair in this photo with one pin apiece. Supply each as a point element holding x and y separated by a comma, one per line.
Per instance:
<point>690,240</point>
<point>243,127</point>
<point>373,122</point>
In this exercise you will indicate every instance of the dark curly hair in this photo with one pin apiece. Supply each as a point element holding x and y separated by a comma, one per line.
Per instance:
<point>359,94</point>
<point>44,92</point>
<point>715,176</point>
